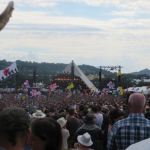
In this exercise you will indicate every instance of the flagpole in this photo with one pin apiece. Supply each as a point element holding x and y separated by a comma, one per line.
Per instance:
<point>72,74</point>
<point>119,76</point>
<point>16,82</point>
<point>100,78</point>
<point>34,75</point>
<point>72,71</point>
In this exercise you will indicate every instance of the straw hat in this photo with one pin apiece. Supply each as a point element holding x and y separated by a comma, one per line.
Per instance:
<point>38,114</point>
<point>62,121</point>
<point>85,139</point>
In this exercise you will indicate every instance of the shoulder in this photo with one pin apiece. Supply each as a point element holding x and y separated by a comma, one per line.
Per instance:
<point>121,122</point>
<point>144,144</point>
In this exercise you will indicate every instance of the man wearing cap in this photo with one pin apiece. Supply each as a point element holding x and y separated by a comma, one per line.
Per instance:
<point>94,131</point>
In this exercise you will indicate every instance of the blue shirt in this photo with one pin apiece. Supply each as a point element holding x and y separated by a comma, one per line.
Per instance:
<point>127,131</point>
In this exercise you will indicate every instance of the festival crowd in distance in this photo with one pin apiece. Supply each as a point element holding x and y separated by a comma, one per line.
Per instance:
<point>75,121</point>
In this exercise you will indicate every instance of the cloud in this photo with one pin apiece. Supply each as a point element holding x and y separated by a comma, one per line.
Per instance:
<point>124,13</point>
<point>95,2</point>
<point>82,47</point>
<point>124,4</point>
<point>130,8</point>
<point>41,35</point>
<point>33,3</point>
<point>43,18</point>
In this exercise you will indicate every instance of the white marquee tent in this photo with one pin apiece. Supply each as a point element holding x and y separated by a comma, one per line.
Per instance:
<point>78,72</point>
<point>143,89</point>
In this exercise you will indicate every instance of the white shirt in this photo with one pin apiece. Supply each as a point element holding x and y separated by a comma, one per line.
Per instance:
<point>99,119</point>
<point>142,145</point>
<point>65,136</point>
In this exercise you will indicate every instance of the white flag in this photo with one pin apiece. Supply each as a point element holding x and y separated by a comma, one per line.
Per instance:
<point>8,71</point>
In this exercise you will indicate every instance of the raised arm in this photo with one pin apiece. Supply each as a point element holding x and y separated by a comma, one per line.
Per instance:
<point>6,14</point>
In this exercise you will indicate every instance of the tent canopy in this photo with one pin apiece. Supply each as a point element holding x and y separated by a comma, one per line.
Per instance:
<point>78,72</point>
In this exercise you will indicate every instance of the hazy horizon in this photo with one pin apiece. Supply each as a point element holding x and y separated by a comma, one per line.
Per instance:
<point>79,65</point>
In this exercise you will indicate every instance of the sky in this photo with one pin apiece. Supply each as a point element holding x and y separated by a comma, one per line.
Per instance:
<point>92,32</point>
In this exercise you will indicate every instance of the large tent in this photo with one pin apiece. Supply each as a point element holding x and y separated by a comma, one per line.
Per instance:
<point>143,89</point>
<point>73,68</point>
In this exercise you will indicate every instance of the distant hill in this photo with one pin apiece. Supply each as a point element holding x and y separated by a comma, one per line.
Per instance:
<point>44,72</point>
<point>48,68</point>
<point>27,67</point>
<point>142,72</point>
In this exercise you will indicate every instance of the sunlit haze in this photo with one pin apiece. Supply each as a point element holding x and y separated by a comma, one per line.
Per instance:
<point>92,32</point>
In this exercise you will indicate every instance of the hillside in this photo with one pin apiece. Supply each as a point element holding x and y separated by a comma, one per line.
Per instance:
<point>48,68</point>
<point>46,71</point>
<point>142,72</point>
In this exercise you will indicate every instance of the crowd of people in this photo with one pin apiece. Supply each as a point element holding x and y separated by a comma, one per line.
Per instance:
<point>63,121</point>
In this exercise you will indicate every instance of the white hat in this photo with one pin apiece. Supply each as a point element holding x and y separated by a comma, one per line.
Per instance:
<point>85,139</point>
<point>38,114</point>
<point>62,121</point>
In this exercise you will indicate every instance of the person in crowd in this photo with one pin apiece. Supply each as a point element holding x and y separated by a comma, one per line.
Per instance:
<point>104,129</point>
<point>114,116</point>
<point>84,142</point>
<point>98,116</point>
<point>72,125</point>
<point>65,132</point>
<point>14,128</point>
<point>38,114</point>
<point>45,134</point>
<point>147,110</point>
<point>101,121</point>
<point>132,129</point>
<point>94,131</point>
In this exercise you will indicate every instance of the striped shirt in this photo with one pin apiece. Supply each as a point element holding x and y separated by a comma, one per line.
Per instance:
<point>128,131</point>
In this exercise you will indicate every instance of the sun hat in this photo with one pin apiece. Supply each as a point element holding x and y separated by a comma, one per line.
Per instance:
<point>38,114</point>
<point>62,121</point>
<point>85,139</point>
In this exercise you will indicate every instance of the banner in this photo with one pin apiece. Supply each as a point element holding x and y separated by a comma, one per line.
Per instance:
<point>111,85</point>
<point>33,92</point>
<point>26,84</point>
<point>52,87</point>
<point>70,86</point>
<point>120,90</point>
<point>8,71</point>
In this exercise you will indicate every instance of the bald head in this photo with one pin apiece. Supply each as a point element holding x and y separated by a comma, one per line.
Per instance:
<point>136,103</point>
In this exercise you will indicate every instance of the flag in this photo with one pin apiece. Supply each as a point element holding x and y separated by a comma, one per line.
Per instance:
<point>111,85</point>
<point>120,90</point>
<point>26,84</point>
<point>33,92</point>
<point>8,71</point>
<point>52,87</point>
<point>70,86</point>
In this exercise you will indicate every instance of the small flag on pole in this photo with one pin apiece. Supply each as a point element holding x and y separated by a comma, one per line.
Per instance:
<point>70,86</point>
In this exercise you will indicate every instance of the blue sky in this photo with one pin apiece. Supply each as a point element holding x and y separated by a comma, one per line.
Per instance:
<point>94,32</point>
